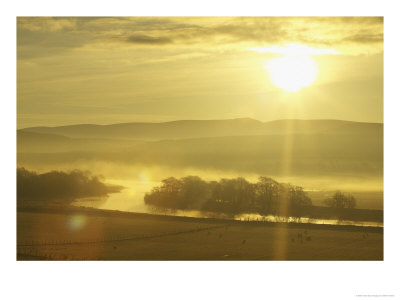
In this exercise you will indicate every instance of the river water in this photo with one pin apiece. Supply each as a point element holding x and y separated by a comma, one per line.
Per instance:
<point>132,201</point>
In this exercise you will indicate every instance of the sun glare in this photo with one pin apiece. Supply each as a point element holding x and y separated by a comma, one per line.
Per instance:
<point>292,73</point>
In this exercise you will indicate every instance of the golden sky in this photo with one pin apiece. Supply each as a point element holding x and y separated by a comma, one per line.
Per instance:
<point>113,70</point>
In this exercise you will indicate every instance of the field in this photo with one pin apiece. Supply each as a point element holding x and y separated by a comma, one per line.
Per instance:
<point>67,233</point>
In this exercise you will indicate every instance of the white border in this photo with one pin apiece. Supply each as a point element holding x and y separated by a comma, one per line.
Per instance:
<point>198,280</point>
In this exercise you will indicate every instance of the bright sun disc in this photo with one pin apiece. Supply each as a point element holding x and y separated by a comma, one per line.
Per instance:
<point>292,73</point>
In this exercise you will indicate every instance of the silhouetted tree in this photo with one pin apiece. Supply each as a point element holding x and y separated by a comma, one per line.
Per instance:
<point>297,200</point>
<point>194,192</point>
<point>267,194</point>
<point>57,185</point>
<point>230,196</point>
<point>341,200</point>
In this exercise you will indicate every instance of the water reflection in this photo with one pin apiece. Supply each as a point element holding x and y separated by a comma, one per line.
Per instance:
<point>131,200</point>
<point>141,208</point>
<point>304,220</point>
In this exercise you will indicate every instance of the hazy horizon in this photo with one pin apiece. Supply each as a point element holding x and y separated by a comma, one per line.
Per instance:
<point>182,120</point>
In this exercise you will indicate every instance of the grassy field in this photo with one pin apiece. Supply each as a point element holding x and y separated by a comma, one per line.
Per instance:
<point>89,234</point>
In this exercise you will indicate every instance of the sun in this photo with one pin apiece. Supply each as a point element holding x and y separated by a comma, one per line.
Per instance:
<point>292,73</point>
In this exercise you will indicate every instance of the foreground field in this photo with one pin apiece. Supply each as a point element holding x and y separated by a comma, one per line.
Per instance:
<point>90,234</point>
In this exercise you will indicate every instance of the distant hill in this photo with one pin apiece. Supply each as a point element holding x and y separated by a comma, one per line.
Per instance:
<point>302,154</point>
<point>207,128</point>
<point>293,147</point>
<point>34,142</point>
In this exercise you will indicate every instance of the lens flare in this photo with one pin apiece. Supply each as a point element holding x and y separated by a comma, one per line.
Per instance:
<point>76,222</point>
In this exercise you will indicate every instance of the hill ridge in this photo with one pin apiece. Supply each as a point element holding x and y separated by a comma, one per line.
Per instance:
<point>183,129</point>
<point>201,120</point>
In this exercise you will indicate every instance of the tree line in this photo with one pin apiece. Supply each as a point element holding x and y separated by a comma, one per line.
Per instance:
<point>57,185</point>
<point>230,196</point>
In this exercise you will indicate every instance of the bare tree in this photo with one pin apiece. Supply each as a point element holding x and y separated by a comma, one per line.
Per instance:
<point>341,200</point>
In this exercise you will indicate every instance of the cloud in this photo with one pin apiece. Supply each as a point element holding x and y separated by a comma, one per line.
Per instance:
<point>353,35</point>
<point>357,33</point>
<point>148,40</point>
<point>47,24</point>
<point>365,38</point>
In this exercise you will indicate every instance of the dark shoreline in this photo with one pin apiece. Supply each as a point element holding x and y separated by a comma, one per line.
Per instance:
<point>124,214</point>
